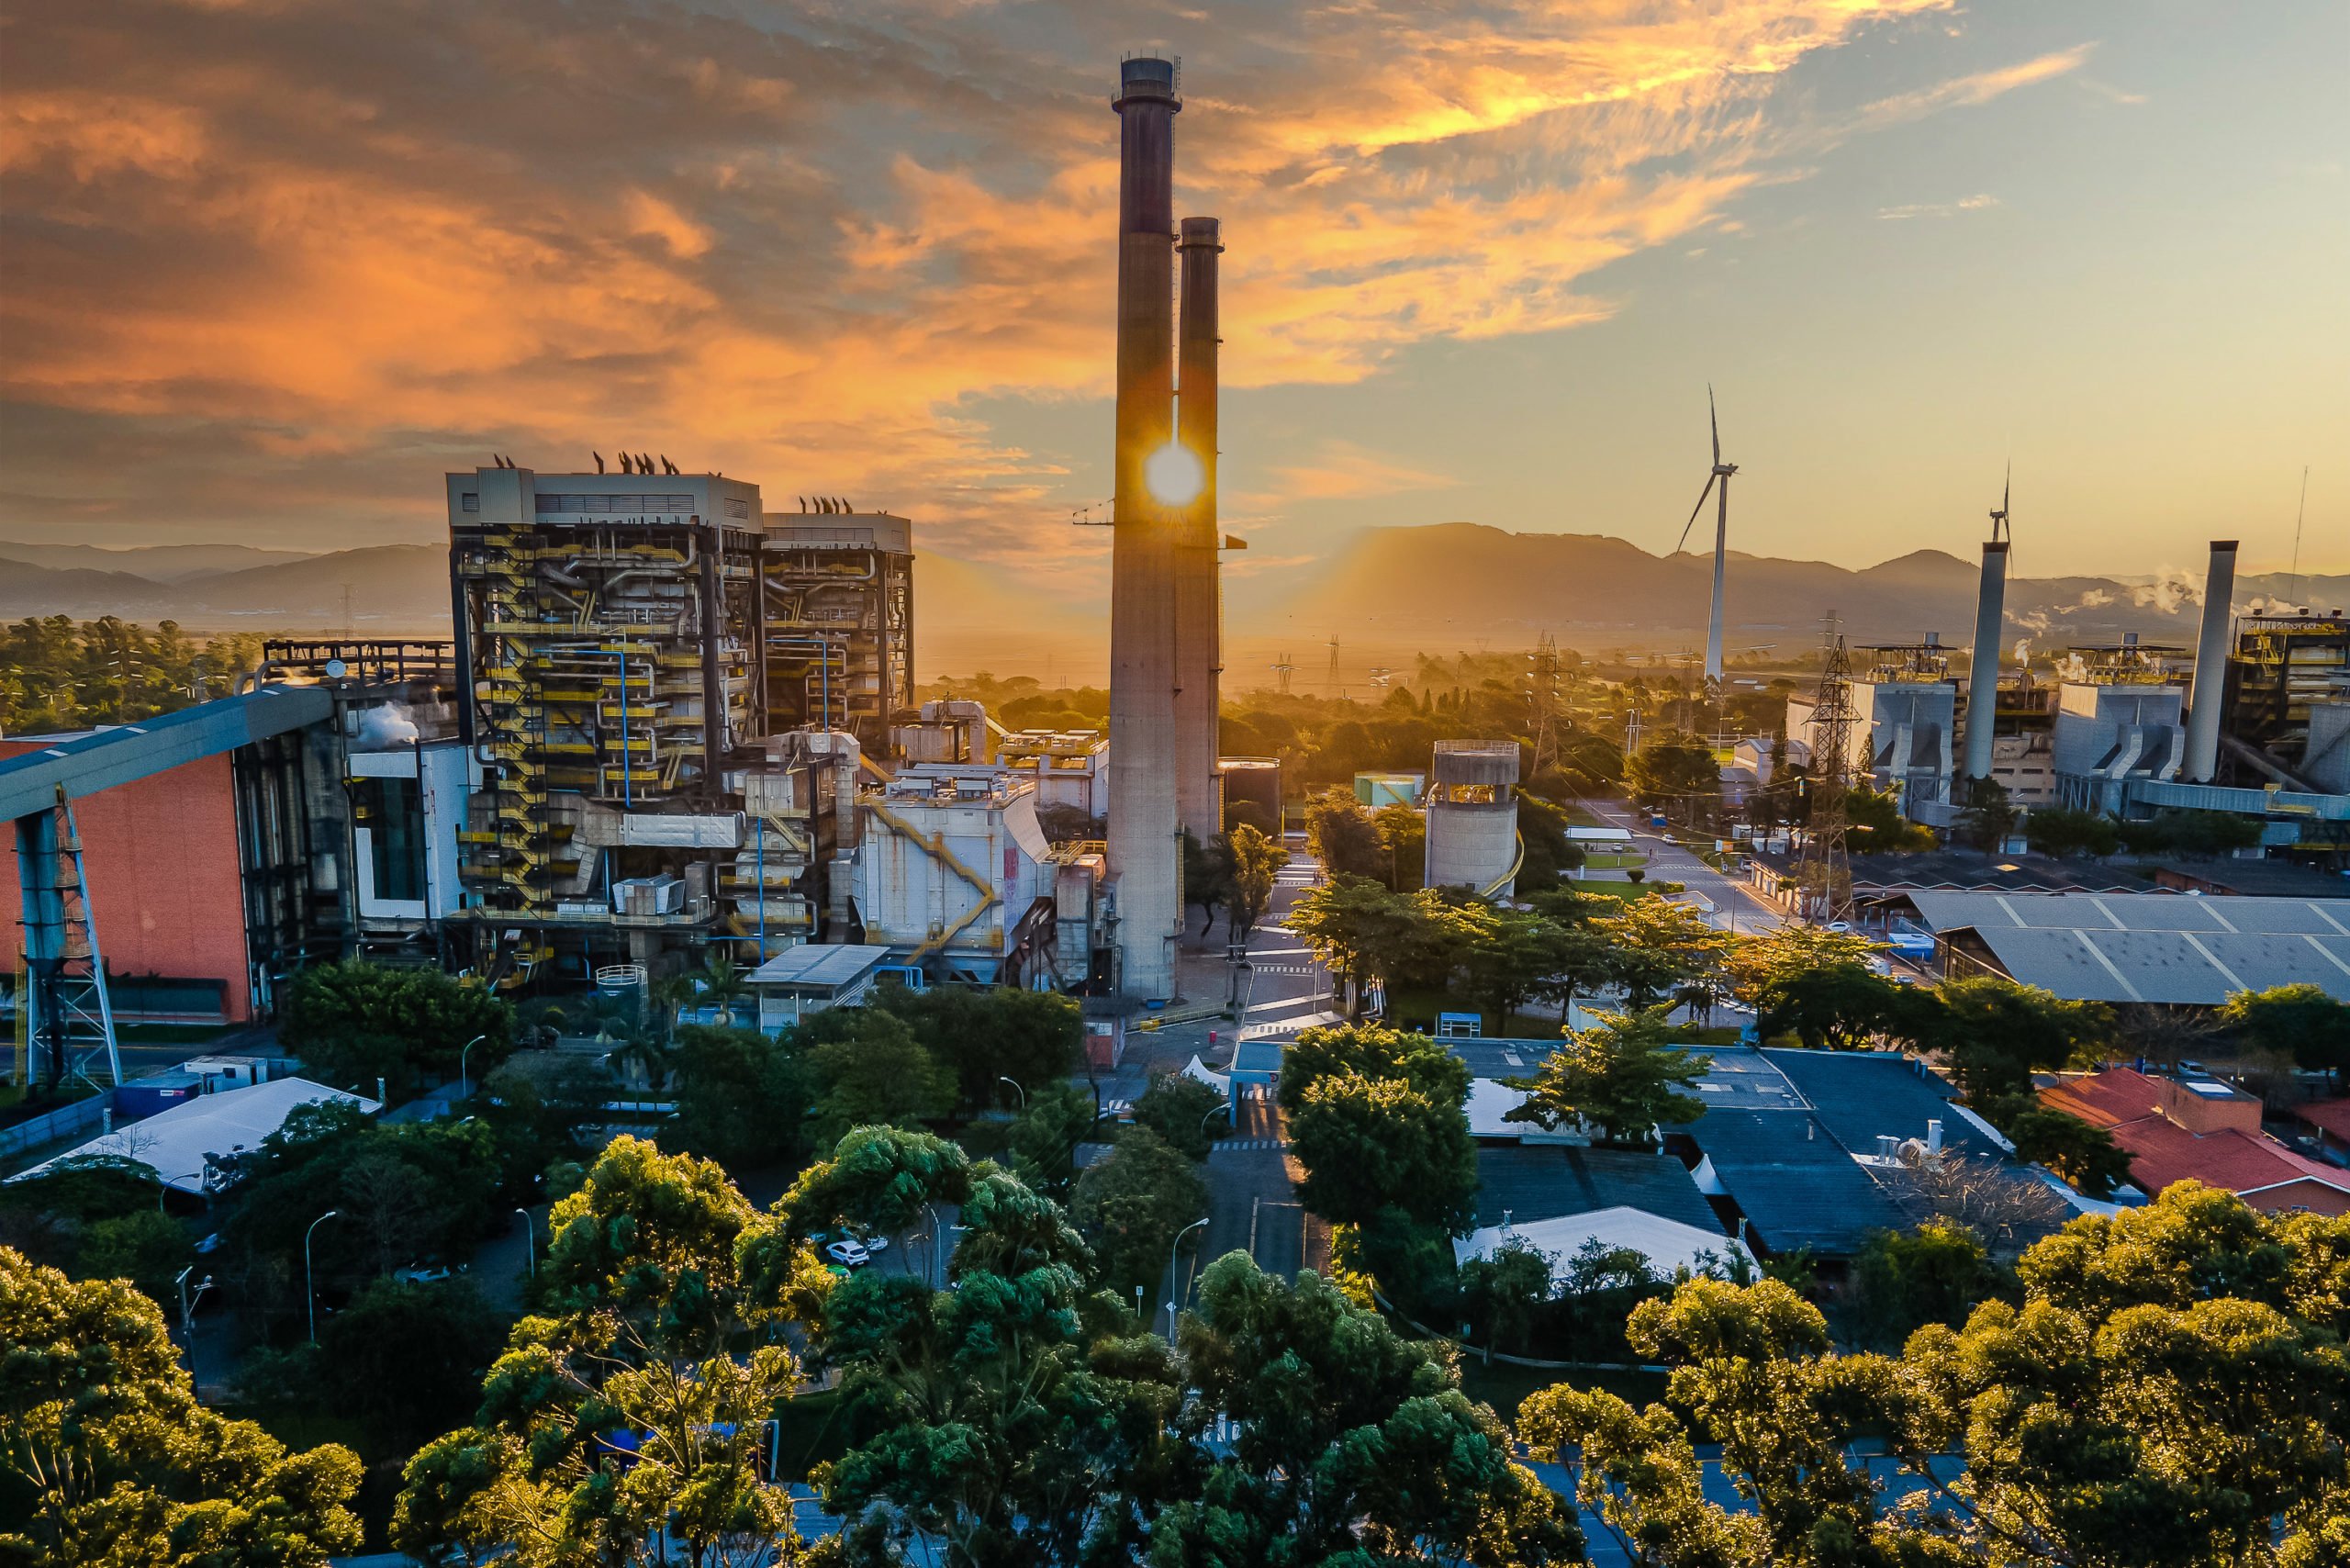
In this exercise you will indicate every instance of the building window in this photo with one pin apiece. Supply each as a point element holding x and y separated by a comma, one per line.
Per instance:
<point>736,506</point>
<point>392,812</point>
<point>469,500</point>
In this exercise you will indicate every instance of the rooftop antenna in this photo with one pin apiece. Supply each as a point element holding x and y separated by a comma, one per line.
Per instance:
<point>1719,474</point>
<point>2298,512</point>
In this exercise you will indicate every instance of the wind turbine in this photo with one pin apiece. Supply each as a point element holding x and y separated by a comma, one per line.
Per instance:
<point>1721,474</point>
<point>1999,514</point>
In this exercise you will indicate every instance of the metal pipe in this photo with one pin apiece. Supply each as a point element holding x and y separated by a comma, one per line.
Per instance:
<point>1983,678</point>
<point>2210,688</point>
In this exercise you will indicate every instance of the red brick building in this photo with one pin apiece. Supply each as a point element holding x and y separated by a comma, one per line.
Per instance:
<point>2204,1131</point>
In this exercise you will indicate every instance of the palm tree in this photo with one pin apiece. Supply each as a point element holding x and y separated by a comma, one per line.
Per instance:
<point>724,983</point>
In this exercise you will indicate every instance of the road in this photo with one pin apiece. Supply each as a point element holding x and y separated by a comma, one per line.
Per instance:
<point>1735,905</point>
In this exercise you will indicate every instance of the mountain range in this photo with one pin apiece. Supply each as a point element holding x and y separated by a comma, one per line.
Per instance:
<point>1390,591</point>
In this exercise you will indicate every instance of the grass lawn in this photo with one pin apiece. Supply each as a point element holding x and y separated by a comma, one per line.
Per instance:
<point>1607,861</point>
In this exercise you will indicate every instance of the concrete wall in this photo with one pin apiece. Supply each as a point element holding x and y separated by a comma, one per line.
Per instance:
<point>165,889</point>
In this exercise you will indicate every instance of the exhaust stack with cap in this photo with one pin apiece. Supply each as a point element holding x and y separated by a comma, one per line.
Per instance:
<point>2211,688</point>
<point>1198,607</point>
<point>1145,845</point>
<point>1983,677</point>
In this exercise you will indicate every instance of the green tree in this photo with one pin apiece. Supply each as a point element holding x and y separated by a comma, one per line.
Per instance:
<point>1503,1296</point>
<point>1678,774</point>
<point>1816,984</point>
<point>651,1345</point>
<point>1030,1036</point>
<point>145,1247</point>
<point>1370,1050</point>
<point>407,1359</point>
<point>1369,934</point>
<point>1342,836</point>
<point>1661,948</point>
<point>1045,1134</point>
<point>2063,831</point>
<point>1995,1033</point>
<point>1252,861</point>
<point>1372,1146</point>
<point>1521,957</point>
<point>2079,1151</point>
<point>2298,1021</point>
<point>1181,1110</point>
<point>742,1099</point>
<point>1130,1204</point>
<point>1403,838</point>
<point>871,1070</point>
<point>1624,1077</point>
<point>355,1021</point>
<point>1936,1273</point>
<point>1207,876</point>
<point>1986,816</point>
<point>991,1418</point>
<point>106,1457</point>
<point>1752,1370</point>
<point>1354,1445</point>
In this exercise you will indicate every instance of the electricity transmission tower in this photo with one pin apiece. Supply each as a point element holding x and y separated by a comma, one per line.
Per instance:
<point>1332,686</point>
<point>1824,870</point>
<point>1283,669</point>
<point>1542,703</point>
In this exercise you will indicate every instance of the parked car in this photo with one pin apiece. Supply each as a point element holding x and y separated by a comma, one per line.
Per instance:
<point>425,1274</point>
<point>870,1243</point>
<point>848,1253</point>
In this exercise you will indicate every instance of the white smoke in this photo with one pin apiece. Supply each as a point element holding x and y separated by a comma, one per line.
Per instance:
<point>388,726</point>
<point>2023,650</point>
<point>2171,591</point>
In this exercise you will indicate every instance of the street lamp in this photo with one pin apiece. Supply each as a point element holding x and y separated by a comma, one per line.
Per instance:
<point>1211,1109</point>
<point>464,1084</point>
<point>309,1284</point>
<point>187,1308</point>
<point>1170,1274</point>
<point>1016,1088</point>
<point>530,1241</point>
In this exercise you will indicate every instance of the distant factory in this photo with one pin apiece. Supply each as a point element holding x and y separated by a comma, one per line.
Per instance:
<point>2254,722</point>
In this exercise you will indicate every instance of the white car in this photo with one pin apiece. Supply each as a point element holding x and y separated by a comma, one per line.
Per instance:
<point>874,1243</point>
<point>848,1254</point>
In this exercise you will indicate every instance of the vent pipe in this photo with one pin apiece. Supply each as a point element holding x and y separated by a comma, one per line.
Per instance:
<point>1145,847</point>
<point>1934,1135</point>
<point>2211,688</point>
<point>1983,677</point>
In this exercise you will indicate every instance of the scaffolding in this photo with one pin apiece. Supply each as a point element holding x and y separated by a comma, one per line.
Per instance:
<point>839,623</point>
<point>2282,664</point>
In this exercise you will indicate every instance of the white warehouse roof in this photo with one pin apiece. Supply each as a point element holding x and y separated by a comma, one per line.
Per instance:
<point>2159,947</point>
<point>177,1142</point>
<point>1666,1243</point>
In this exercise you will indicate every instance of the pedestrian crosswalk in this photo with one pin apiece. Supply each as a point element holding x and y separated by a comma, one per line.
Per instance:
<point>1232,1145</point>
<point>1286,968</point>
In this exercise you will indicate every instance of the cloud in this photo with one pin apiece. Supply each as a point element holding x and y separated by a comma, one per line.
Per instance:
<point>1966,92</point>
<point>1976,203</point>
<point>306,255</point>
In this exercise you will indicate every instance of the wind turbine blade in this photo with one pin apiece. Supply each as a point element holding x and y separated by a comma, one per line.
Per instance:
<point>1694,511</point>
<point>1715,420</point>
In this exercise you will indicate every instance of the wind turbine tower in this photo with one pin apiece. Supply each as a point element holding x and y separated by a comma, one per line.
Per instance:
<point>1719,476</point>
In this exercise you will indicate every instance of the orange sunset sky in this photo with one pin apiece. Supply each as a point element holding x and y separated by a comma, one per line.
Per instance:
<point>268,267</point>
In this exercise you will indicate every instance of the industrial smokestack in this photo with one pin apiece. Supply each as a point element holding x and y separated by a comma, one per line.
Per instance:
<point>1983,680</point>
<point>1198,607</point>
<point>1145,845</point>
<point>2210,686</point>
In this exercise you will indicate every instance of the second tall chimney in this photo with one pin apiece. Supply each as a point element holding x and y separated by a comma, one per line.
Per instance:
<point>1983,678</point>
<point>1199,606</point>
<point>2211,688</point>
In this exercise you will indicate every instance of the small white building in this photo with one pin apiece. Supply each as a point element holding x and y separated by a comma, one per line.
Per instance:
<point>192,1147</point>
<point>813,978</point>
<point>1667,1244</point>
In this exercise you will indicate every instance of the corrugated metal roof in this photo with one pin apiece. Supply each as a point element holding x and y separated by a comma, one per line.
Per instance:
<point>815,963</point>
<point>1797,1190</point>
<point>1862,1095</point>
<point>1666,1244</point>
<point>2160,948</point>
<point>179,1143</point>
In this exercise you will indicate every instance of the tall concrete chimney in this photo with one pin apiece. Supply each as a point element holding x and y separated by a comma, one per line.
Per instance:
<point>1983,678</point>
<point>2210,688</point>
<point>1145,843</point>
<point>1199,595</point>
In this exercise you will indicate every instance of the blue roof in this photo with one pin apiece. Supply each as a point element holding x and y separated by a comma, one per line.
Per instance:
<point>1536,1181</point>
<point>1862,1095</point>
<point>1796,1183</point>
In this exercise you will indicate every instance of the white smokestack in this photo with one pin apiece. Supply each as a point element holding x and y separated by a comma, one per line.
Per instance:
<point>1983,680</point>
<point>2210,666</point>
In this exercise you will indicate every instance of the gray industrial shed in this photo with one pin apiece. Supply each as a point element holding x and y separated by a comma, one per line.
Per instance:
<point>2156,947</point>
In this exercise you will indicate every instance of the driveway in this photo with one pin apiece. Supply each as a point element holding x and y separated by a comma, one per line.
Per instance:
<point>1737,907</point>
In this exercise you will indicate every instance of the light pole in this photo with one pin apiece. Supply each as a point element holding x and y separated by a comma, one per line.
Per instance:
<point>464,1084</point>
<point>1015,1088</point>
<point>1225,1107</point>
<point>309,1285</point>
<point>530,1241</point>
<point>188,1307</point>
<point>1170,1274</point>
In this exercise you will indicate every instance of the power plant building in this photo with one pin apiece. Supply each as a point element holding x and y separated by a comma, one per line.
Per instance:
<point>839,623</point>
